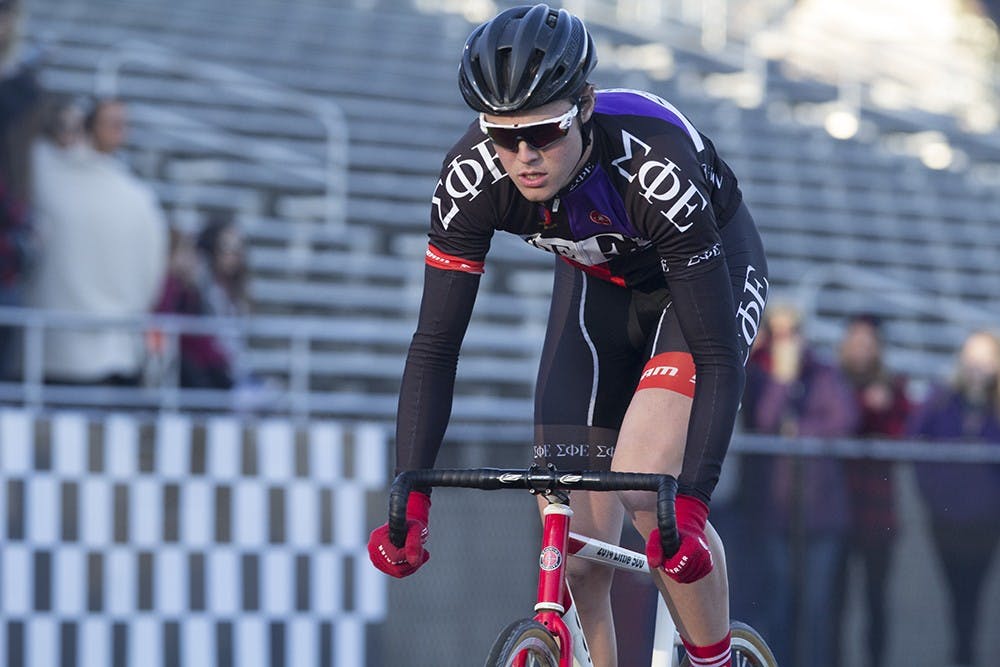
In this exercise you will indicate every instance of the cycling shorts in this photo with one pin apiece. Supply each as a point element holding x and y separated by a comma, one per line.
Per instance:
<point>600,338</point>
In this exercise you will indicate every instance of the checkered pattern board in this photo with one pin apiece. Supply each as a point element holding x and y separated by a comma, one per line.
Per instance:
<point>186,543</point>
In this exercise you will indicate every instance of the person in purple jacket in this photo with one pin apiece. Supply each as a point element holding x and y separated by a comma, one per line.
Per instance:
<point>963,499</point>
<point>803,396</point>
<point>884,408</point>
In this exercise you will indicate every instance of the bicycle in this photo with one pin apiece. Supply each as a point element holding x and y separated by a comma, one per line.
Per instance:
<point>542,641</point>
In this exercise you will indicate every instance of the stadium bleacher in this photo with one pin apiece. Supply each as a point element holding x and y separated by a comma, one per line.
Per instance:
<point>833,213</point>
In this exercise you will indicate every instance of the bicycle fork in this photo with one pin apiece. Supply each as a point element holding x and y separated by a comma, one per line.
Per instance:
<point>554,608</point>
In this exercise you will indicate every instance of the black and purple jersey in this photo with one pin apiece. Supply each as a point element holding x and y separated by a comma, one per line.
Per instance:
<point>650,199</point>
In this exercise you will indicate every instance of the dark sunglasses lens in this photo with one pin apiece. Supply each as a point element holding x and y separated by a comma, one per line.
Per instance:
<point>537,136</point>
<point>503,138</point>
<point>544,135</point>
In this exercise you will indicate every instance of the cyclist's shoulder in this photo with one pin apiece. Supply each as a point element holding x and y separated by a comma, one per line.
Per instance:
<point>472,165</point>
<point>471,172</point>
<point>647,144</point>
<point>474,189</point>
<point>646,117</point>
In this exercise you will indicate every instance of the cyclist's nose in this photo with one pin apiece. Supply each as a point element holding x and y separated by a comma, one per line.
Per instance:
<point>526,153</point>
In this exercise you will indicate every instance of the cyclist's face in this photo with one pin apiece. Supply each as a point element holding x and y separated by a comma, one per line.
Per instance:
<point>540,173</point>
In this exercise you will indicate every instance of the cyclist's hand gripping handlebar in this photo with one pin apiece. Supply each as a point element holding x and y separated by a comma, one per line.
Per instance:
<point>693,559</point>
<point>402,557</point>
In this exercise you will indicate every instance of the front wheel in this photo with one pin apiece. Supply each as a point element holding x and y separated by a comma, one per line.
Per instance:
<point>749,648</point>
<point>527,638</point>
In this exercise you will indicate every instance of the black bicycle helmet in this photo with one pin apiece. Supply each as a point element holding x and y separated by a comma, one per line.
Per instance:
<point>525,57</point>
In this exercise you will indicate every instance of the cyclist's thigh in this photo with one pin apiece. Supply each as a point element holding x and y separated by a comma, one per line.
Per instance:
<point>587,372</point>
<point>653,433</point>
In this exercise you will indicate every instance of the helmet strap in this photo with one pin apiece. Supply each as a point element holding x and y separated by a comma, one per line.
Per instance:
<point>585,128</point>
<point>585,131</point>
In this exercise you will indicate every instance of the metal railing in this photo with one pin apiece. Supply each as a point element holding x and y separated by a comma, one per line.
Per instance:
<point>166,394</point>
<point>252,88</point>
<point>868,448</point>
<point>478,418</point>
<point>283,391</point>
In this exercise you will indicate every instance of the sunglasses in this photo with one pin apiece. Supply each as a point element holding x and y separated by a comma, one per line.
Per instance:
<point>538,135</point>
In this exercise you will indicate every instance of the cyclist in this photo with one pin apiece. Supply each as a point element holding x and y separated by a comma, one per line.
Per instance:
<point>660,275</point>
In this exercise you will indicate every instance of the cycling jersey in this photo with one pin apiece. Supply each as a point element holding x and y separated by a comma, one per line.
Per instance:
<point>646,201</point>
<point>644,214</point>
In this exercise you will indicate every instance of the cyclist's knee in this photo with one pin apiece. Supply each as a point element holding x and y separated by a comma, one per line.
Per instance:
<point>588,579</point>
<point>640,507</point>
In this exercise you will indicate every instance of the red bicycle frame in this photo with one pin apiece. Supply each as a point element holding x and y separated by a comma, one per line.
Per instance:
<point>554,606</point>
<point>553,594</point>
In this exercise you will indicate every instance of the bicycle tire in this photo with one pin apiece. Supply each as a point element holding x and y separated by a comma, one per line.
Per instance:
<point>749,648</point>
<point>520,636</point>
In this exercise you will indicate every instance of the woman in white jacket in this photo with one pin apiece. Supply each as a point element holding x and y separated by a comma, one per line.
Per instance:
<point>104,246</point>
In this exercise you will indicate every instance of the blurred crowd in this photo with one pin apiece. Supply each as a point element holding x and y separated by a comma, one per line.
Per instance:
<point>81,234</point>
<point>796,526</point>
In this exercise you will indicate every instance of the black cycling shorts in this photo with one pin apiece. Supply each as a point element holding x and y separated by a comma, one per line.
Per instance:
<point>600,338</point>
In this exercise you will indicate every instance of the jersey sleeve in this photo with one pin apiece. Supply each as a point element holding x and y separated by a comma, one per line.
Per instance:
<point>428,385</point>
<point>462,223</point>
<point>671,197</point>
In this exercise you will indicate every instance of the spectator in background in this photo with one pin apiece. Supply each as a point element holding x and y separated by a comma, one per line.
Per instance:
<point>62,124</point>
<point>963,499</point>
<point>20,97</point>
<point>208,277</point>
<point>224,290</point>
<point>221,245</point>
<point>883,408</point>
<point>801,396</point>
<point>202,363</point>
<point>106,125</point>
<point>103,245</point>
<point>61,135</point>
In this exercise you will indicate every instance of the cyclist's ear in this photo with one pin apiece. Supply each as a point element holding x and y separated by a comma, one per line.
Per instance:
<point>587,101</point>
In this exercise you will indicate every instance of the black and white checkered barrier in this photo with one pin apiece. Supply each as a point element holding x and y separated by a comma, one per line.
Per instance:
<point>178,543</point>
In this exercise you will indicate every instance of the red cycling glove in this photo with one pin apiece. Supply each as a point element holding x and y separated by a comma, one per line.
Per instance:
<point>693,559</point>
<point>397,562</point>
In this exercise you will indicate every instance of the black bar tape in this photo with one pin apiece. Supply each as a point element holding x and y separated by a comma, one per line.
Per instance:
<point>491,479</point>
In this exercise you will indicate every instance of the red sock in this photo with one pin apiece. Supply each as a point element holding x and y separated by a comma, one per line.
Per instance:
<point>716,655</point>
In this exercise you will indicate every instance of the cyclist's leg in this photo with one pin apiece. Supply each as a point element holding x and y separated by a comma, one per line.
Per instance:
<point>654,433</point>
<point>652,440</point>
<point>580,400</point>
